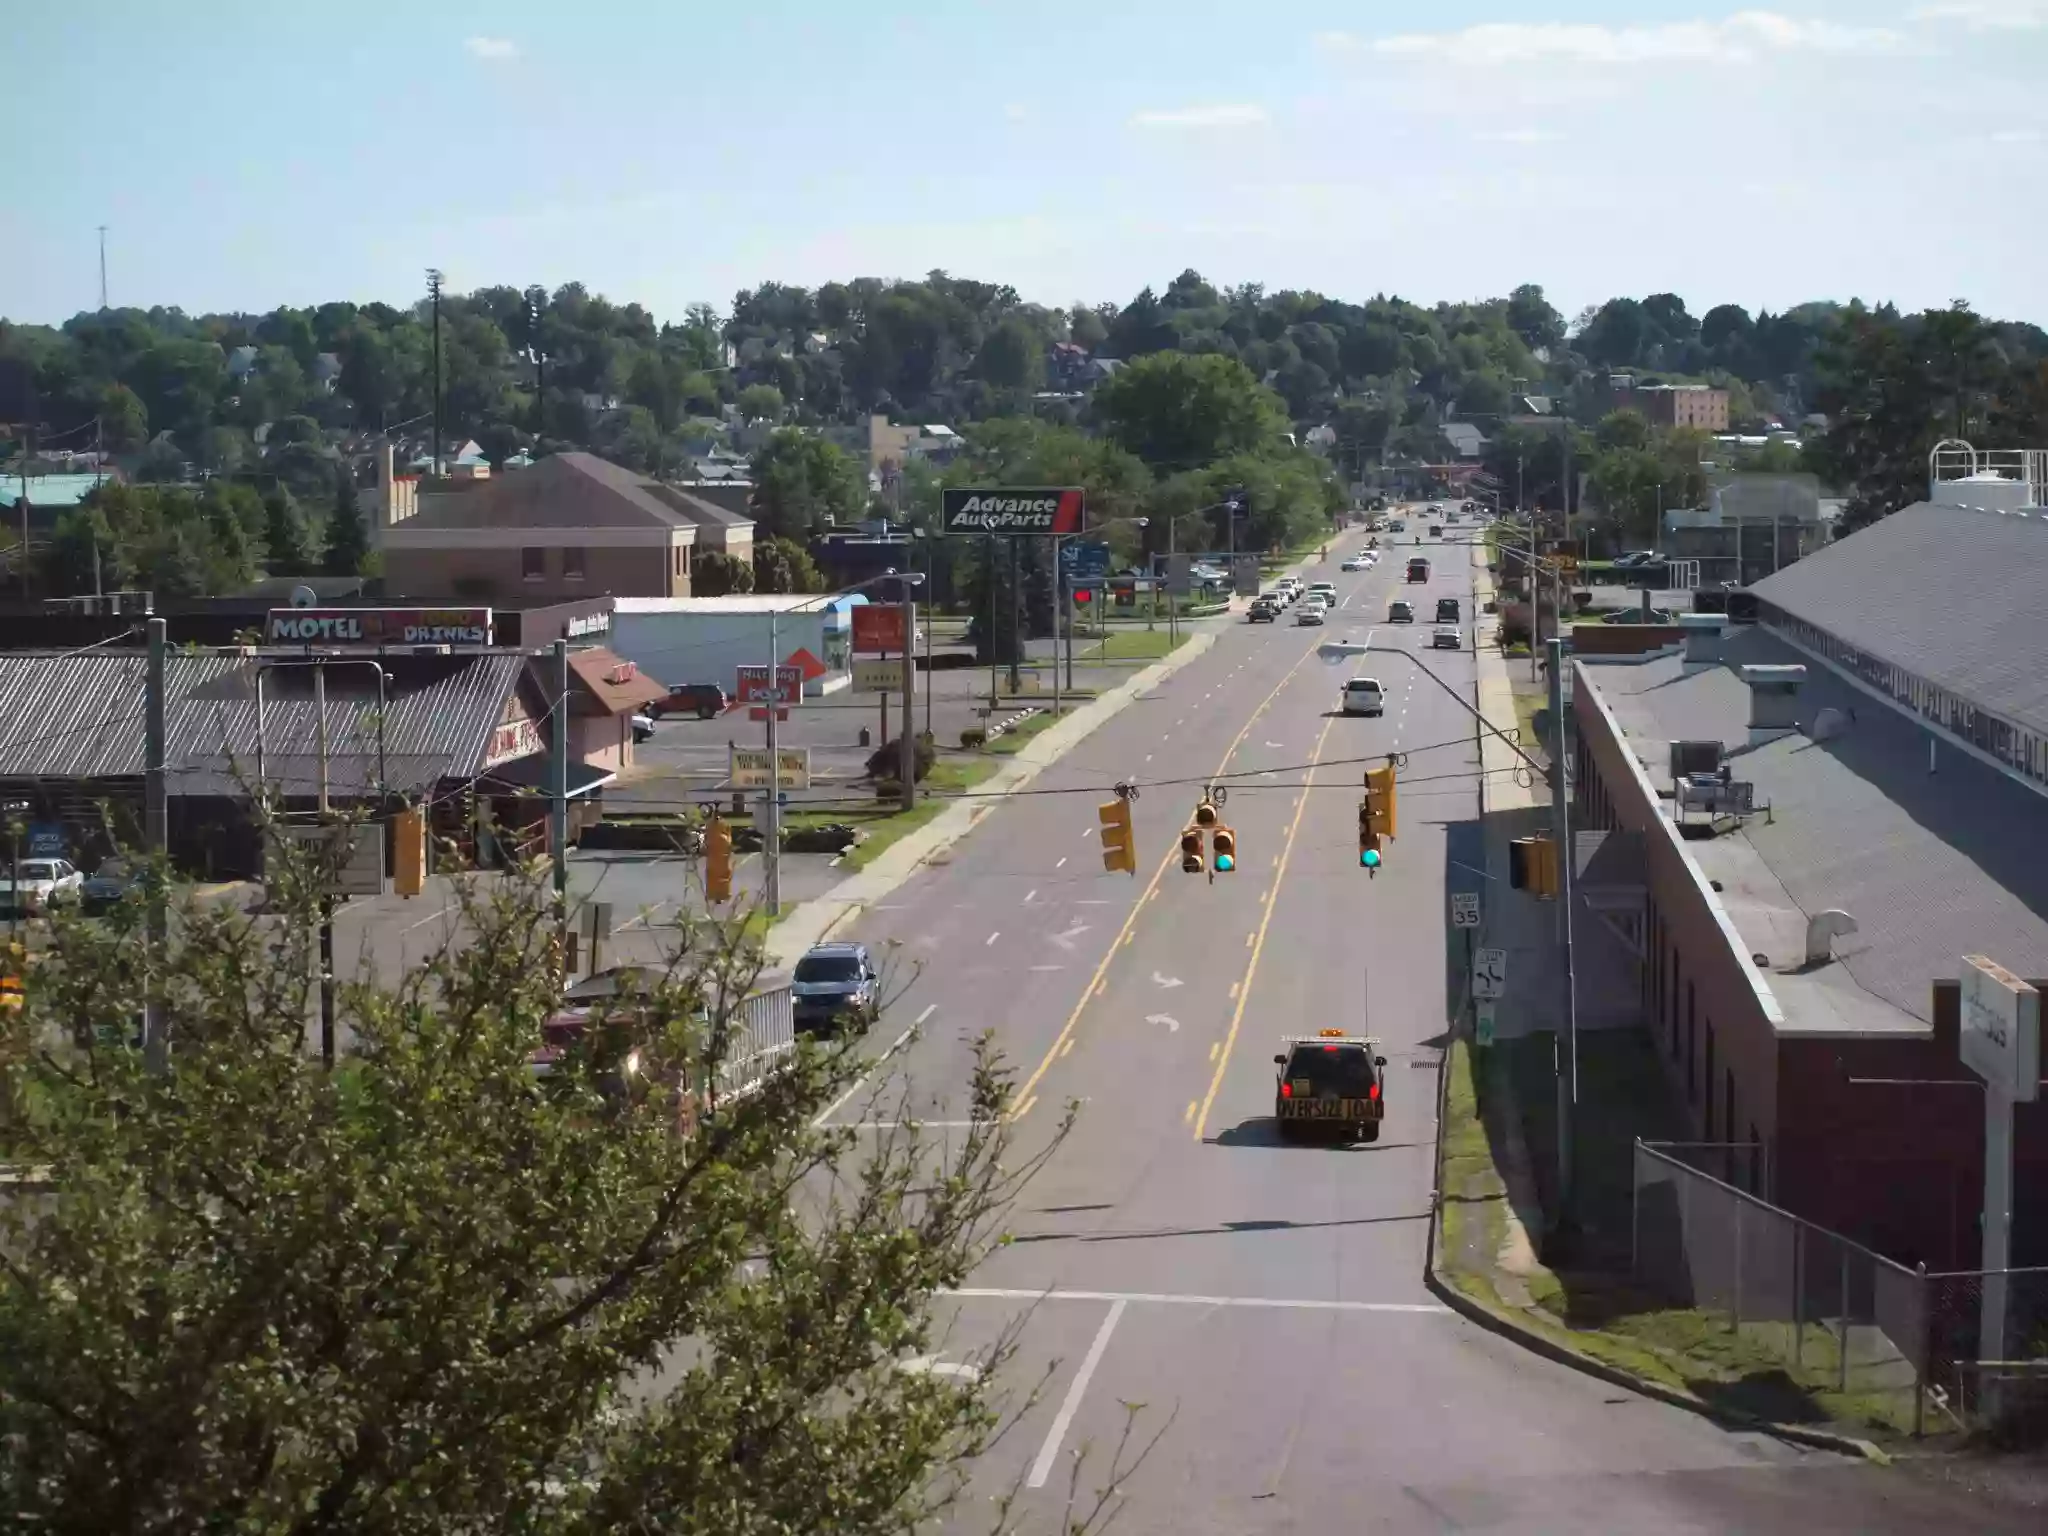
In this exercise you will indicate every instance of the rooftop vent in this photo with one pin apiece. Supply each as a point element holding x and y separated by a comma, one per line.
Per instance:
<point>1822,929</point>
<point>1702,636</point>
<point>1832,722</point>
<point>1773,700</point>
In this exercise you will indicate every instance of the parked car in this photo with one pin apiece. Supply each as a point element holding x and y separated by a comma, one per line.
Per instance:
<point>108,885</point>
<point>643,727</point>
<point>704,700</point>
<point>35,884</point>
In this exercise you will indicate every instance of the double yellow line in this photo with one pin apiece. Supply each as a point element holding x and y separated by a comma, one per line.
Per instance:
<point>1025,1097</point>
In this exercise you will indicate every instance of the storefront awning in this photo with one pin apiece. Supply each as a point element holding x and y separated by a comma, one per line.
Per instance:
<point>529,776</point>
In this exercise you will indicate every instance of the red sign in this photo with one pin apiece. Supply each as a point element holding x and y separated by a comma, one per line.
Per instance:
<point>754,685</point>
<point>877,627</point>
<point>515,739</point>
<point>808,665</point>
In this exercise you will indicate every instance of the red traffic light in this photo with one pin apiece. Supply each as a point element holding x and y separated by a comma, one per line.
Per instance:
<point>1082,595</point>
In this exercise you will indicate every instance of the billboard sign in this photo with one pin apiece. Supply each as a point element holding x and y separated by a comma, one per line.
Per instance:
<point>871,676</point>
<point>1244,575</point>
<point>756,690</point>
<point>1180,575</point>
<point>1999,1034</point>
<point>1012,510</point>
<point>877,627</point>
<point>749,766</point>
<point>378,627</point>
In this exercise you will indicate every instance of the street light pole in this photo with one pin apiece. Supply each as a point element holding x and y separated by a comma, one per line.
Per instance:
<point>771,805</point>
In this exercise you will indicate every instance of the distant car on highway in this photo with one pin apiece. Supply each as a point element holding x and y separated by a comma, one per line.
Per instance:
<point>1436,530</point>
<point>1363,696</point>
<point>1327,590</point>
<point>1400,613</point>
<point>704,700</point>
<point>1445,638</point>
<point>835,985</point>
<point>1263,610</point>
<point>1330,1081</point>
<point>1355,563</point>
<point>1447,611</point>
<point>1311,612</point>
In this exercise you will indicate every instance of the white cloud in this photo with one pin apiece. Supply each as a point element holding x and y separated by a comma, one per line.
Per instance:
<point>1517,136</point>
<point>1238,115</point>
<point>1740,38</point>
<point>493,49</point>
<point>2017,136</point>
<point>1988,15</point>
<point>1016,112</point>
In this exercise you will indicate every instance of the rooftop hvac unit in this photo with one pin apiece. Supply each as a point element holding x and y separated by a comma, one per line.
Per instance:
<point>1691,757</point>
<point>1742,608</point>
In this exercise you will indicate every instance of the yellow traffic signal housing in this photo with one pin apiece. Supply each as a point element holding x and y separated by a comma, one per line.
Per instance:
<point>1118,846</point>
<point>1224,842</point>
<point>1379,793</point>
<point>1532,865</point>
<point>409,851</point>
<point>1205,815</point>
<point>1192,859</point>
<point>1368,839</point>
<point>717,860</point>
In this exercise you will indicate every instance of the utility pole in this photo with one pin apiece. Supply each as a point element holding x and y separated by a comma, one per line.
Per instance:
<point>156,834</point>
<point>326,872</point>
<point>103,269</point>
<point>906,761</point>
<point>434,281</point>
<point>558,789</point>
<point>771,797</point>
<point>1016,620</point>
<point>1568,1016</point>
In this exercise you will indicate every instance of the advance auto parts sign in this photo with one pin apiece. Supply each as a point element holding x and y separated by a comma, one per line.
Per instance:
<point>379,626</point>
<point>1013,510</point>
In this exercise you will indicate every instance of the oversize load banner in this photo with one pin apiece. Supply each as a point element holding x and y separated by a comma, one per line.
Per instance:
<point>1013,509</point>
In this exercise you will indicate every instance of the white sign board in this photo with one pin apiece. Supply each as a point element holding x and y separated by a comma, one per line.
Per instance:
<point>877,676</point>
<point>2000,1031</point>
<point>749,768</point>
<point>1464,909</point>
<point>358,858</point>
<point>1489,974</point>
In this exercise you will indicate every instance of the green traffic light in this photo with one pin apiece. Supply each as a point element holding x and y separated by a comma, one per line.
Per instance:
<point>1225,863</point>
<point>1369,859</point>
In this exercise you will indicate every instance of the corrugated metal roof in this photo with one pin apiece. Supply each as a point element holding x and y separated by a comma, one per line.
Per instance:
<point>1951,594</point>
<point>81,717</point>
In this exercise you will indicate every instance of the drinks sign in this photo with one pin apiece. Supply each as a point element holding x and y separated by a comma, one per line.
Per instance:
<point>379,627</point>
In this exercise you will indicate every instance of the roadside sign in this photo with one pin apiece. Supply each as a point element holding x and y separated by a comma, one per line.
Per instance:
<point>1464,909</point>
<point>1999,1034</point>
<point>871,676</point>
<point>754,689</point>
<point>877,627</point>
<point>1082,558</point>
<point>1011,511</point>
<point>1483,1024</point>
<point>808,667</point>
<point>1244,575</point>
<point>378,626</point>
<point>749,767</point>
<point>46,840</point>
<point>1180,576</point>
<point>1489,974</point>
<point>357,854</point>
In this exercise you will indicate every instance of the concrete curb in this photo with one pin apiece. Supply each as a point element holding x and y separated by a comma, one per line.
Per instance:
<point>1507,1327</point>
<point>813,920</point>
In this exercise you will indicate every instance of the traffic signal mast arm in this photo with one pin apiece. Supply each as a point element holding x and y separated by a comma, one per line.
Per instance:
<point>1506,740</point>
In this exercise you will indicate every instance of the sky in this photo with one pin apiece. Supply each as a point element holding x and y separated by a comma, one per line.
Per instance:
<point>245,154</point>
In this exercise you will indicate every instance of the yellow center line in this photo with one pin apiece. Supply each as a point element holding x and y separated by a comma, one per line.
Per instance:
<point>1251,968</point>
<point>1096,983</point>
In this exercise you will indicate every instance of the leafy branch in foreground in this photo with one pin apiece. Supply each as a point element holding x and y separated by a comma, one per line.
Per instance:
<point>438,1290</point>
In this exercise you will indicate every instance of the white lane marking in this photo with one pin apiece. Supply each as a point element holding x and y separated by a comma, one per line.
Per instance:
<point>435,917</point>
<point>903,1125</point>
<point>1065,940</point>
<point>1172,1024</point>
<point>860,1082</point>
<point>1277,1303</point>
<point>1063,859</point>
<point>918,1022</point>
<point>1041,1469</point>
<point>1030,896</point>
<point>992,938</point>
<point>1048,967</point>
<point>1160,980</point>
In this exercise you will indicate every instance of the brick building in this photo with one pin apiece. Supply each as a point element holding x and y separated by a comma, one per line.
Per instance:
<point>1796,966</point>
<point>1682,405</point>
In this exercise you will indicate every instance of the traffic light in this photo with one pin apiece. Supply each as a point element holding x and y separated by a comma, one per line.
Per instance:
<point>1117,846</point>
<point>1192,861</point>
<point>1205,814</point>
<point>1224,841</point>
<point>717,860</point>
<point>1532,865</point>
<point>1379,792</point>
<point>1082,597</point>
<point>1368,837</point>
<point>409,852</point>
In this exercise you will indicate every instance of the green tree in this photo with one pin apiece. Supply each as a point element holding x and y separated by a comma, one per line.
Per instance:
<point>290,547</point>
<point>761,402</point>
<point>431,1291</point>
<point>714,573</point>
<point>783,565</point>
<point>1178,412</point>
<point>1623,429</point>
<point>1011,358</point>
<point>348,535</point>
<point>82,537</point>
<point>124,424</point>
<point>804,483</point>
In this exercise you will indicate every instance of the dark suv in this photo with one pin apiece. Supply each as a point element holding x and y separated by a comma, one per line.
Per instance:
<point>703,700</point>
<point>834,985</point>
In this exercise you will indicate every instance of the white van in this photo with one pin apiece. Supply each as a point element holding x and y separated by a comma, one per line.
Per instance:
<point>1362,696</point>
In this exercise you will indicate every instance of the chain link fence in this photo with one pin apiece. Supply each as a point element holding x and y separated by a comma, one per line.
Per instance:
<point>1974,1380</point>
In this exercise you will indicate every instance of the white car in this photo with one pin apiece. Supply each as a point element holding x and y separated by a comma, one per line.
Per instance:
<point>1311,613</point>
<point>1363,696</point>
<point>1445,638</point>
<point>37,883</point>
<point>1327,590</point>
<point>1355,563</point>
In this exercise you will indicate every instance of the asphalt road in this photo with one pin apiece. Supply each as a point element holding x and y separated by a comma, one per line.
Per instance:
<point>1263,1301</point>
